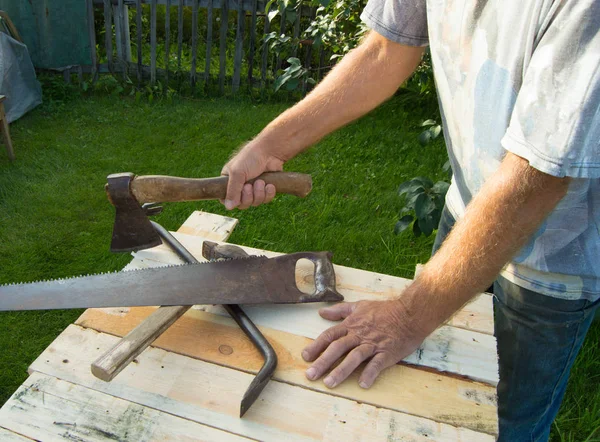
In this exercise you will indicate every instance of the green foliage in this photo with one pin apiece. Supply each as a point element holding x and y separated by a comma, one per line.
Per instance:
<point>431,133</point>
<point>293,75</point>
<point>423,206</point>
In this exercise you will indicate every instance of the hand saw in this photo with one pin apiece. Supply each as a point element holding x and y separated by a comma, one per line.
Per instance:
<point>253,280</point>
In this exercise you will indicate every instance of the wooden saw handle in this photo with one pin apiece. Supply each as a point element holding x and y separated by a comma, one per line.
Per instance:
<point>160,188</point>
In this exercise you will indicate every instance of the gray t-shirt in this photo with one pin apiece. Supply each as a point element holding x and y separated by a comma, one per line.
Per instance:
<point>522,77</point>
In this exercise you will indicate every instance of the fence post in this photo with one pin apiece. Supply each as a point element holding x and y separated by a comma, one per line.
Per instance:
<point>265,54</point>
<point>153,42</point>
<point>108,34</point>
<point>223,43</point>
<point>92,37</point>
<point>179,33</point>
<point>239,46</point>
<point>167,40</point>
<point>252,43</point>
<point>195,6</point>
<point>209,35</point>
<point>138,25</point>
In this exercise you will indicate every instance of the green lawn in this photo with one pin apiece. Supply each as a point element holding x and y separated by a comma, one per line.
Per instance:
<point>55,220</point>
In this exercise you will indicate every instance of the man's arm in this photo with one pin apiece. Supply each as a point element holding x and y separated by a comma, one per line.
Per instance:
<point>497,223</point>
<point>364,78</point>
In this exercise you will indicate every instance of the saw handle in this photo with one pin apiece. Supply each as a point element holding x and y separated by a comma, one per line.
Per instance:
<point>161,188</point>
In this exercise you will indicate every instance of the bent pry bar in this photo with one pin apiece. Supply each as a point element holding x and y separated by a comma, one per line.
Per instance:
<point>213,251</point>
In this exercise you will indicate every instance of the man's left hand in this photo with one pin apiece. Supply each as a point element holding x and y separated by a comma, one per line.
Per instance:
<point>381,331</point>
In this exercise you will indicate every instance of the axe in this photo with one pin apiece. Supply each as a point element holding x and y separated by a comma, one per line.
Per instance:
<point>133,230</point>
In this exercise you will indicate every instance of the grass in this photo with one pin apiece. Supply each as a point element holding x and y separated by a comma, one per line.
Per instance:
<point>55,220</point>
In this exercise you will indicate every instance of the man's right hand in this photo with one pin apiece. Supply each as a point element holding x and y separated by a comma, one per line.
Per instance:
<point>250,162</point>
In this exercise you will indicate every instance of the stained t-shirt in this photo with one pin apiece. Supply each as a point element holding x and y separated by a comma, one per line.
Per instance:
<point>522,77</point>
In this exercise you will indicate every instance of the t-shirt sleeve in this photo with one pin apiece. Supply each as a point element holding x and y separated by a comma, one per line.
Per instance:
<point>555,123</point>
<point>402,21</point>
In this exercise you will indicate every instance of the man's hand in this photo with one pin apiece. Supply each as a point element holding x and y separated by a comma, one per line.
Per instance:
<point>249,163</point>
<point>381,331</point>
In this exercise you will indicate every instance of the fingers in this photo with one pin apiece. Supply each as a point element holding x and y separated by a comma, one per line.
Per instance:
<point>380,362</point>
<point>348,365</point>
<point>338,311</point>
<point>333,352</point>
<point>317,347</point>
<point>234,189</point>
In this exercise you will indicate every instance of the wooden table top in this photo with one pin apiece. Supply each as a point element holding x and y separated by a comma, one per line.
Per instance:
<point>189,384</point>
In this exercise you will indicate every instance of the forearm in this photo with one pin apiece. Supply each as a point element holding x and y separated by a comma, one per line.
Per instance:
<point>497,223</point>
<point>364,78</point>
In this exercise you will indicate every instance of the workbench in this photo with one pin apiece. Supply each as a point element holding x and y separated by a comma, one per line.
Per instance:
<point>189,384</point>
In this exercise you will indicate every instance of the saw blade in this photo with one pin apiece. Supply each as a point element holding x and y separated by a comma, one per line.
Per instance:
<point>251,280</point>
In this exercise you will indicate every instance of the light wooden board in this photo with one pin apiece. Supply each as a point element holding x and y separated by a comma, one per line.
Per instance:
<point>9,436</point>
<point>49,409</point>
<point>217,339</point>
<point>452,349</point>
<point>209,394</point>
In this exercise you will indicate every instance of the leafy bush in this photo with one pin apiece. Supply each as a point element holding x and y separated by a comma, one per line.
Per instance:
<point>423,206</point>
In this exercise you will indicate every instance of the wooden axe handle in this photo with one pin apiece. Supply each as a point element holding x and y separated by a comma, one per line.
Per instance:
<point>160,188</point>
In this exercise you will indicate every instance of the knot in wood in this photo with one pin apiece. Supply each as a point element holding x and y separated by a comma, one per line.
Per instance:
<point>225,349</point>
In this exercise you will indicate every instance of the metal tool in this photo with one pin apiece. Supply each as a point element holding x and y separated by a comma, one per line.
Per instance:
<point>111,363</point>
<point>252,280</point>
<point>132,230</point>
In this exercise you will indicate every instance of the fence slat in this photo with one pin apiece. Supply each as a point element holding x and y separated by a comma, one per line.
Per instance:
<point>297,31</point>
<point>252,43</point>
<point>265,55</point>
<point>209,36</point>
<point>127,34</point>
<point>153,42</point>
<point>239,46</point>
<point>92,37</point>
<point>282,26</point>
<point>167,39</point>
<point>194,42</point>
<point>108,34</point>
<point>179,33</point>
<point>138,25</point>
<point>223,44</point>
<point>308,57</point>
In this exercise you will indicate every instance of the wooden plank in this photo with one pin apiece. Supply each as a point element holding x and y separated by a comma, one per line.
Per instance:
<point>308,55</point>
<point>9,436</point>
<point>92,37</point>
<point>167,39</point>
<point>265,55</point>
<point>47,408</point>
<point>210,394</point>
<point>449,348</point>
<point>153,42</point>
<point>138,24</point>
<point>296,34</point>
<point>403,388</point>
<point>126,34</point>
<point>118,18</point>
<point>252,48</point>
<point>194,43</point>
<point>108,34</point>
<point>179,33</point>
<point>223,44</point>
<point>282,26</point>
<point>209,42</point>
<point>239,46</point>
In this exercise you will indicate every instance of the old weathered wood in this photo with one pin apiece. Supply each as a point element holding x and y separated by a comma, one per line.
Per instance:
<point>179,33</point>
<point>282,27</point>
<point>223,44</point>
<point>5,129</point>
<point>209,41</point>
<point>167,39</point>
<point>201,335</point>
<point>108,34</point>
<point>153,42</point>
<point>308,55</point>
<point>138,24</point>
<point>118,19</point>
<point>210,394</point>
<point>116,359</point>
<point>194,43</point>
<point>265,54</point>
<point>239,46</point>
<point>297,31</point>
<point>70,412</point>
<point>450,349</point>
<point>92,37</point>
<point>9,436</point>
<point>252,46</point>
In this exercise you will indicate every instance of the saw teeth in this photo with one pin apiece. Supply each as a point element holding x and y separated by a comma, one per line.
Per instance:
<point>59,280</point>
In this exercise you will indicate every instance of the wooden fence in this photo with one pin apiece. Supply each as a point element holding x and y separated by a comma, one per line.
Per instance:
<point>238,43</point>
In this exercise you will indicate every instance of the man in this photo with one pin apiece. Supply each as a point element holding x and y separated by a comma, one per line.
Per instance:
<point>519,89</point>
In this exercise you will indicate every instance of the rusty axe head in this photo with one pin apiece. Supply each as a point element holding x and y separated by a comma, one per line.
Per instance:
<point>132,230</point>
